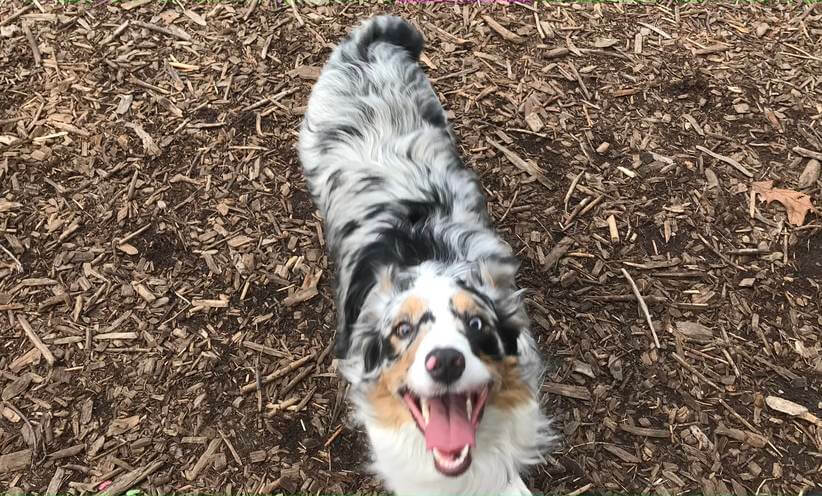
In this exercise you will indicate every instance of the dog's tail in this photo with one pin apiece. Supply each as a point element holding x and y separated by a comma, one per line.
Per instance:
<point>381,29</point>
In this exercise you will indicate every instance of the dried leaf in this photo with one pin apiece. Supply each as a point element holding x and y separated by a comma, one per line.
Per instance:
<point>796,204</point>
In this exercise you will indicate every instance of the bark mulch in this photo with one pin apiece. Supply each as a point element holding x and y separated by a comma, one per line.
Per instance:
<point>165,305</point>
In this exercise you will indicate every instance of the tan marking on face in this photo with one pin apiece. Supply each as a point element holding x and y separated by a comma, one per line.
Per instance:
<point>411,311</point>
<point>385,282</point>
<point>509,390</point>
<point>389,407</point>
<point>464,303</point>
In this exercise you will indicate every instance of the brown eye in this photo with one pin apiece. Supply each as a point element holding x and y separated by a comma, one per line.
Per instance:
<point>475,323</point>
<point>403,330</point>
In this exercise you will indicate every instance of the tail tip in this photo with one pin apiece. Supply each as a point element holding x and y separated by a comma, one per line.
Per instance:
<point>394,30</point>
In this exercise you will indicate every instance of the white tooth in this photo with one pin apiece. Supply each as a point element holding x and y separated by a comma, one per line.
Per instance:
<point>425,409</point>
<point>469,407</point>
<point>463,454</point>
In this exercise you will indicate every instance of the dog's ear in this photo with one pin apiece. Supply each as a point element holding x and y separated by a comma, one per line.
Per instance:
<point>386,280</point>
<point>499,272</point>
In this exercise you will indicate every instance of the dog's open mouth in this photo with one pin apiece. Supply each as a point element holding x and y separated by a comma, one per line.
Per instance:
<point>449,423</point>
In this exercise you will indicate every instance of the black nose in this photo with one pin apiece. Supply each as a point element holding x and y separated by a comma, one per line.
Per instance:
<point>445,365</point>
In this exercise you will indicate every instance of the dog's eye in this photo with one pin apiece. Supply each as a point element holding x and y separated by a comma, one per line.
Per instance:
<point>403,330</point>
<point>475,323</point>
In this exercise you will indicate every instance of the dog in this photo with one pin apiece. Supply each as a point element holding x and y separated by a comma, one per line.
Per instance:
<point>432,332</point>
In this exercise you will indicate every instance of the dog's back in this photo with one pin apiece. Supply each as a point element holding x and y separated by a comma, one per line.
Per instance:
<point>377,149</point>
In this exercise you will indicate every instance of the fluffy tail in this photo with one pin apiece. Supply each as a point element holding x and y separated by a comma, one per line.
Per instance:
<point>388,29</point>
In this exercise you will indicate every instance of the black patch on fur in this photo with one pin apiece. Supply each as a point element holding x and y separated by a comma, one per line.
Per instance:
<point>509,334</point>
<point>375,210</point>
<point>426,318</point>
<point>432,113</point>
<point>348,228</point>
<point>483,342</point>
<point>402,245</point>
<point>337,134</point>
<point>334,180</point>
<point>395,31</point>
<point>479,294</point>
<point>372,353</point>
<point>370,183</point>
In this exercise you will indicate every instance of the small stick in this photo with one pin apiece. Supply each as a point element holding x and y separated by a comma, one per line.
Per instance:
<point>736,165</point>
<point>281,406</point>
<point>297,13</point>
<point>571,189</point>
<point>590,205</point>
<point>711,50</point>
<point>581,490</point>
<point>231,449</point>
<point>749,251</point>
<point>500,30</point>
<point>259,385</point>
<point>135,233</point>
<point>278,373</point>
<point>807,153</point>
<point>33,44</point>
<point>122,27</point>
<point>511,204</point>
<point>682,274</point>
<point>250,10</point>
<point>296,380</point>
<point>35,340</point>
<point>299,406</point>
<point>575,212</point>
<point>333,436</point>
<point>740,417</point>
<point>642,305</point>
<point>14,16</point>
<point>695,372</point>
<point>17,262</point>
<point>627,298</point>
<point>717,253</point>
<point>131,479</point>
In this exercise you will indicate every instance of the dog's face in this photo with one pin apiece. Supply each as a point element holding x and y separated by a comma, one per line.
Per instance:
<point>442,348</point>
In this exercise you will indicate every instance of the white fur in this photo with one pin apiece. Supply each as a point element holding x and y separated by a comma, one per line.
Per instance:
<point>504,447</point>
<point>436,291</point>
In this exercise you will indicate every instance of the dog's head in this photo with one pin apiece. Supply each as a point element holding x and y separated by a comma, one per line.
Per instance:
<point>436,345</point>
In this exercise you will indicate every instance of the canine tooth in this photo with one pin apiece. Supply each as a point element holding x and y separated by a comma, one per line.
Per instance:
<point>425,409</point>
<point>469,407</point>
<point>463,454</point>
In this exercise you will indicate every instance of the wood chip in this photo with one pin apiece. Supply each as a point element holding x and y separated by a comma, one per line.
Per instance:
<point>15,461</point>
<point>569,391</point>
<point>35,340</point>
<point>500,30</point>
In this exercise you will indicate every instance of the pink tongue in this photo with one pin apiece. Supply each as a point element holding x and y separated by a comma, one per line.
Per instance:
<point>448,429</point>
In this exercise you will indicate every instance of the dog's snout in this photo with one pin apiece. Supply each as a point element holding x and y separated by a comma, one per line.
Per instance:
<point>445,365</point>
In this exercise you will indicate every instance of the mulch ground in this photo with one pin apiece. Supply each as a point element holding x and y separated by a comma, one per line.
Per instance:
<point>166,299</point>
